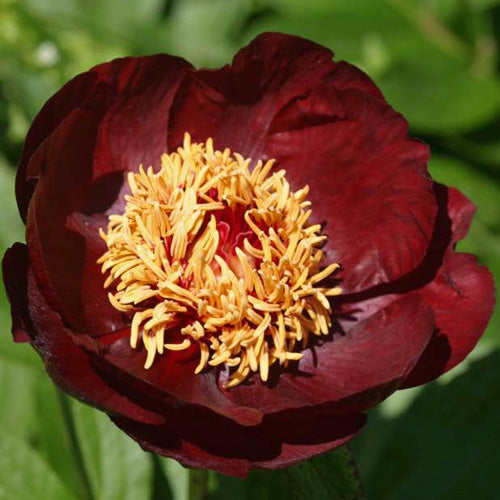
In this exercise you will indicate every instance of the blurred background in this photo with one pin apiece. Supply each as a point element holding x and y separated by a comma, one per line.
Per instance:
<point>437,62</point>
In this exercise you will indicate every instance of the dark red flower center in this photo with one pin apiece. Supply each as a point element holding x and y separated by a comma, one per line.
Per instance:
<point>211,253</point>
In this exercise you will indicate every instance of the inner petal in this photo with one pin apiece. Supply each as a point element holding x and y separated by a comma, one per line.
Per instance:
<point>213,254</point>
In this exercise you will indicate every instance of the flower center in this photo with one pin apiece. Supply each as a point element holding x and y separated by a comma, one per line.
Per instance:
<point>209,253</point>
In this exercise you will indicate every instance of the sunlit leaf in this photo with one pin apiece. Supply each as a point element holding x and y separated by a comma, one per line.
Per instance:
<point>117,468</point>
<point>350,29</point>
<point>17,382</point>
<point>210,25</point>
<point>55,435</point>
<point>11,227</point>
<point>440,96</point>
<point>24,475</point>
<point>177,477</point>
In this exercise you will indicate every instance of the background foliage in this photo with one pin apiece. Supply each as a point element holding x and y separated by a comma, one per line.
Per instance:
<point>437,61</point>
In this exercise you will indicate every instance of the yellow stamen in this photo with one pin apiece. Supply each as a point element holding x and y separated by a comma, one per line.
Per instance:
<point>245,307</point>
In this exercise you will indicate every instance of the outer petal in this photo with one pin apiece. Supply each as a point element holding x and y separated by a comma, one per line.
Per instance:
<point>69,367</point>
<point>354,371</point>
<point>117,83</point>
<point>135,127</point>
<point>236,104</point>
<point>15,267</point>
<point>229,448</point>
<point>366,303</point>
<point>460,211</point>
<point>80,169</point>
<point>64,244</point>
<point>368,182</point>
<point>171,376</point>
<point>347,76</point>
<point>462,295</point>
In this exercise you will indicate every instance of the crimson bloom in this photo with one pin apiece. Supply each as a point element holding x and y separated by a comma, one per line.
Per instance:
<point>201,303</point>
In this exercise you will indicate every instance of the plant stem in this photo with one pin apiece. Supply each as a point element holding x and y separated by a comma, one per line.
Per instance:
<point>198,484</point>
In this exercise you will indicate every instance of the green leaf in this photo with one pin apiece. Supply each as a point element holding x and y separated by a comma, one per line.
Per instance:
<point>124,14</point>
<point>117,468</point>
<point>177,477</point>
<point>438,95</point>
<point>259,485</point>
<point>11,227</point>
<point>351,29</point>
<point>54,436</point>
<point>17,399</point>
<point>445,447</point>
<point>484,4</point>
<point>332,476</point>
<point>24,475</point>
<point>445,10</point>
<point>205,46</point>
<point>482,147</point>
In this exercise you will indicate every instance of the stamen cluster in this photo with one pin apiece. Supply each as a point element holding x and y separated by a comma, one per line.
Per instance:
<point>209,253</point>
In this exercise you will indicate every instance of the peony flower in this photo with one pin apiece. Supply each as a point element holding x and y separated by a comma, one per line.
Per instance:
<point>235,264</point>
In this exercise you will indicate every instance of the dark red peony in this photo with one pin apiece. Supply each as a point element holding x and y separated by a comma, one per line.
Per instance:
<point>285,264</point>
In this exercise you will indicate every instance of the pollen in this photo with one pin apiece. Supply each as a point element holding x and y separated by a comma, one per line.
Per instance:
<point>220,258</point>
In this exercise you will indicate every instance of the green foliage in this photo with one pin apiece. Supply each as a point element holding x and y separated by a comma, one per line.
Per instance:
<point>117,468</point>
<point>314,479</point>
<point>437,62</point>
<point>177,477</point>
<point>444,446</point>
<point>23,473</point>
<point>439,96</point>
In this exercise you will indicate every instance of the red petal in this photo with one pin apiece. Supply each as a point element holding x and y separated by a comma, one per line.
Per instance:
<point>80,181</point>
<point>63,241</point>
<point>172,376</point>
<point>236,104</point>
<point>354,371</point>
<point>462,297</point>
<point>227,447</point>
<point>135,128</point>
<point>461,212</point>
<point>14,268</point>
<point>445,233</point>
<point>69,367</point>
<point>347,76</point>
<point>368,181</point>
<point>461,294</point>
<point>116,84</point>
<point>281,83</point>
